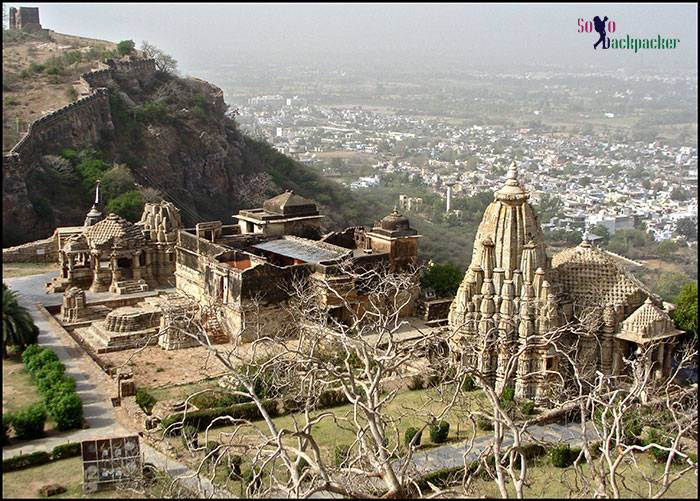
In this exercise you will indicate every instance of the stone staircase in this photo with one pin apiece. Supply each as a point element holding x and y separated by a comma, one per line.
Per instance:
<point>215,331</point>
<point>129,287</point>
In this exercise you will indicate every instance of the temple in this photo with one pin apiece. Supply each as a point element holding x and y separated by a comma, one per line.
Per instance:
<point>513,293</point>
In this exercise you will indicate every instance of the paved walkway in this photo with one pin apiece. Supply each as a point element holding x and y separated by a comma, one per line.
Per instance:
<point>94,387</point>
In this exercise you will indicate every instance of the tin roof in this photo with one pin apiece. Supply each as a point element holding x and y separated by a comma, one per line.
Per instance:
<point>302,249</point>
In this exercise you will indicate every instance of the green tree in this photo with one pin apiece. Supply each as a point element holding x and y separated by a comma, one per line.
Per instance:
<point>679,194</point>
<point>18,328</point>
<point>116,181</point>
<point>128,205</point>
<point>550,206</point>
<point>686,314</point>
<point>688,227</point>
<point>667,248</point>
<point>125,47</point>
<point>670,285</point>
<point>601,231</point>
<point>444,279</point>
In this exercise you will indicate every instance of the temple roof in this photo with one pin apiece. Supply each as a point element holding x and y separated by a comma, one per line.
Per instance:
<point>647,323</point>
<point>588,273</point>
<point>289,203</point>
<point>114,230</point>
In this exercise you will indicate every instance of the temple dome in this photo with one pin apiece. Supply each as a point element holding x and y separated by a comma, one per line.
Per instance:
<point>114,231</point>
<point>290,204</point>
<point>394,221</point>
<point>648,322</point>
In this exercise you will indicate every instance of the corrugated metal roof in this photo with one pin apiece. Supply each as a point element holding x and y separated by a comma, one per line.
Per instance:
<point>302,250</point>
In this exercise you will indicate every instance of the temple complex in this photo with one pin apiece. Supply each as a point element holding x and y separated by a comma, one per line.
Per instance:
<point>514,292</point>
<point>115,255</point>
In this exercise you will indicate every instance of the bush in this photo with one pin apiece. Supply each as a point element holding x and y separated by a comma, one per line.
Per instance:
<point>190,437</point>
<point>30,352</point>
<point>201,419</point>
<point>531,451</point>
<point>213,448</point>
<point>469,384</point>
<point>432,381</point>
<point>125,47</point>
<point>234,465</point>
<point>331,398</point>
<point>145,400</point>
<point>484,424</point>
<point>29,422</point>
<point>25,461</point>
<point>416,383</point>
<point>67,410</point>
<point>410,433</point>
<point>40,359</point>
<point>128,205</point>
<point>659,455</point>
<point>564,456</point>
<point>507,396</point>
<point>527,408</point>
<point>341,454</point>
<point>440,478</point>
<point>439,432</point>
<point>6,422</point>
<point>68,450</point>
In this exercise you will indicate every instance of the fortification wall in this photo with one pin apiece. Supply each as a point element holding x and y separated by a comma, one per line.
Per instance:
<point>40,251</point>
<point>75,125</point>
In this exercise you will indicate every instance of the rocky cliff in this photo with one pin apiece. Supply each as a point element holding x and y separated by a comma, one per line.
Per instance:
<point>174,135</point>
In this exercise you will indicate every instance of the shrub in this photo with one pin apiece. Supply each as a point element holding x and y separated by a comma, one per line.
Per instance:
<point>484,424</point>
<point>331,398</point>
<point>659,455</point>
<point>68,450</point>
<point>469,384</point>
<point>25,461</point>
<point>527,408</point>
<point>200,419</point>
<point>432,381</point>
<point>531,451</point>
<point>145,400</point>
<point>128,205</point>
<point>29,422</point>
<point>439,478</point>
<point>507,396</point>
<point>189,436</point>
<point>410,433</point>
<point>564,456</point>
<point>416,383</point>
<point>125,47</point>
<point>341,454</point>
<point>439,432</point>
<point>41,359</point>
<point>67,410</point>
<point>213,450</point>
<point>234,465</point>
<point>6,422</point>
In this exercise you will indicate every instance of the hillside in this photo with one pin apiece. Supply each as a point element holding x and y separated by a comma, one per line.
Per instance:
<point>38,75</point>
<point>169,134</point>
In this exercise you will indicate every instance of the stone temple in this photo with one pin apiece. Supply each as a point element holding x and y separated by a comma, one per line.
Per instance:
<point>513,291</point>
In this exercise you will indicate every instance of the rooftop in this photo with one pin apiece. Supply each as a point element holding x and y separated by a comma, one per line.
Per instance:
<point>302,249</point>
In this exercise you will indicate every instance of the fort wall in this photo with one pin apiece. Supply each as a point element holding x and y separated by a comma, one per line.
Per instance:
<point>79,123</point>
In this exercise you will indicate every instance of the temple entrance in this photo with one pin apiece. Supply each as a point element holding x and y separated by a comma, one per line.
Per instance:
<point>124,264</point>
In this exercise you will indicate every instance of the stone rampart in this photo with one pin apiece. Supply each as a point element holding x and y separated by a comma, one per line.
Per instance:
<point>39,251</point>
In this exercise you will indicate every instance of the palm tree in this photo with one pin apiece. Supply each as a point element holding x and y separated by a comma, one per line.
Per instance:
<point>18,328</point>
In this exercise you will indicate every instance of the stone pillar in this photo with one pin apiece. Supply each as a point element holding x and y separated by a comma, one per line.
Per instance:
<point>659,369</point>
<point>668,358</point>
<point>136,266</point>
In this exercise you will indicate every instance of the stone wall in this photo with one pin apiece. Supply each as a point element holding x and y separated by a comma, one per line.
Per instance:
<point>39,251</point>
<point>75,125</point>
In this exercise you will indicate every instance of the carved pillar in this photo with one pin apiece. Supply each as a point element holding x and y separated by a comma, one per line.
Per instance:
<point>659,367</point>
<point>136,265</point>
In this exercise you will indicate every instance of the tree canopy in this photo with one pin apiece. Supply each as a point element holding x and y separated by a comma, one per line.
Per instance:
<point>686,314</point>
<point>444,279</point>
<point>18,328</point>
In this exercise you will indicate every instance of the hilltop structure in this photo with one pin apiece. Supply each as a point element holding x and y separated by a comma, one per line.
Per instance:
<point>25,18</point>
<point>513,291</point>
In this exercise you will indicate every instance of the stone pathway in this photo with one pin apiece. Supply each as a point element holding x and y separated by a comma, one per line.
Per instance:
<point>94,387</point>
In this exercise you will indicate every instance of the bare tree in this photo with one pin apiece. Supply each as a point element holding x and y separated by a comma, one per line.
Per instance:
<point>164,62</point>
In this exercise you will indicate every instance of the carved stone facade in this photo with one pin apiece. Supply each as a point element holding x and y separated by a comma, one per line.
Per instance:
<point>119,256</point>
<point>514,292</point>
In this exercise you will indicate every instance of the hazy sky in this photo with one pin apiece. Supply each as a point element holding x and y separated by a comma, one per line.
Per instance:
<point>201,36</point>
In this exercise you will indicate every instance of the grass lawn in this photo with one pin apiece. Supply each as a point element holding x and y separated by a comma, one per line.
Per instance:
<point>182,391</point>
<point>546,481</point>
<point>407,407</point>
<point>18,389</point>
<point>68,473</point>
<point>12,270</point>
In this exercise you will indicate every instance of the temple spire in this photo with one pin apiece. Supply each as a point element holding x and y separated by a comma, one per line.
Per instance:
<point>94,215</point>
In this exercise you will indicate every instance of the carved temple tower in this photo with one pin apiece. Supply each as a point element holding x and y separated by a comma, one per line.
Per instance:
<point>511,296</point>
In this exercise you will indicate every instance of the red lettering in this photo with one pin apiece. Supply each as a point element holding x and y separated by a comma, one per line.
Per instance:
<point>611,27</point>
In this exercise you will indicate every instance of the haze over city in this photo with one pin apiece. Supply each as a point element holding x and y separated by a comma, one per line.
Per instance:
<point>443,36</point>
